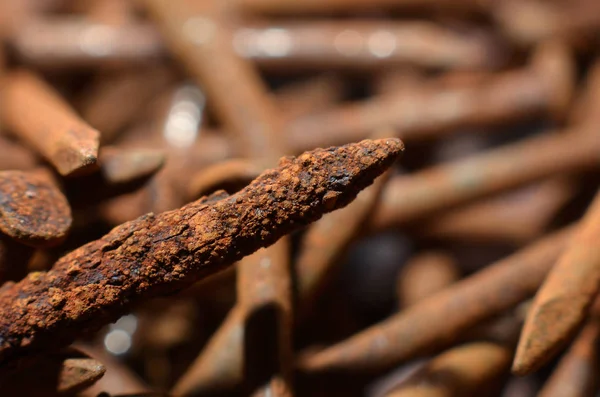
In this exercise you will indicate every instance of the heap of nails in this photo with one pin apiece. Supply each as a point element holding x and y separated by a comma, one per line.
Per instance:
<point>203,198</point>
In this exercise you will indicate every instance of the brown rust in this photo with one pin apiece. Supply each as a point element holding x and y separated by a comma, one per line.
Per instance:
<point>577,372</point>
<point>161,254</point>
<point>441,318</point>
<point>32,110</point>
<point>562,303</point>
<point>32,209</point>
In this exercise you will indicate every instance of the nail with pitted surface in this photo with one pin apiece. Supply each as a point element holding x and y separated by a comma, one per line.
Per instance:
<point>32,209</point>
<point>161,254</point>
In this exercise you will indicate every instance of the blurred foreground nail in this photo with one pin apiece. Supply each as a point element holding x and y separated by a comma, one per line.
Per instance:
<point>563,301</point>
<point>440,319</point>
<point>577,372</point>
<point>32,110</point>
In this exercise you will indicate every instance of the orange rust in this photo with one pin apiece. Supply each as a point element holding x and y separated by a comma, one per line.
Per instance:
<point>161,254</point>
<point>32,209</point>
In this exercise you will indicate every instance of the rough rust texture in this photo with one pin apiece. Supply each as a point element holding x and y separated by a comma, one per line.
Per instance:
<point>462,305</point>
<point>32,210</point>
<point>561,305</point>
<point>161,254</point>
<point>38,115</point>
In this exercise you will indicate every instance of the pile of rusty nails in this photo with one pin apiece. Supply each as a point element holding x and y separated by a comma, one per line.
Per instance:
<point>158,238</point>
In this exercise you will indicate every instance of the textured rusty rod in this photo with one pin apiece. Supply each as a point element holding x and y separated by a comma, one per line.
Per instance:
<point>161,254</point>
<point>325,243</point>
<point>516,216</point>
<point>562,303</point>
<point>364,43</point>
<point>424,275</point>
<point>114,101</point>
<point>32,209</point>
<point>461,371</point>
<point>32,110</point>
<point>576,373</point>
<point>408,197</point>
<point>437,108</point>
<point>59,374</point>
<point>440,319</point>
<point>200,37</point>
